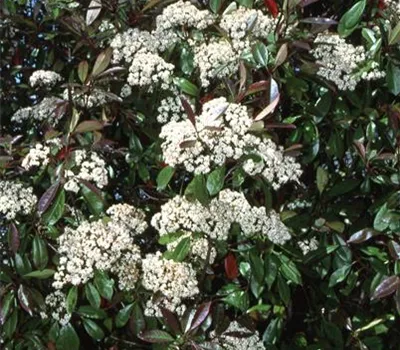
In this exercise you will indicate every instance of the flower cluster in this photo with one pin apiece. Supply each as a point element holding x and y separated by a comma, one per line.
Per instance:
<point>170,109</point>
<point>148,70</point>
<point>44,78</point>
<point>342,63</point>
<point>393,8</point>
<point>273,165</point>
<point>237,337</point>
<point>36,157</point>
<point>215,60</point>
<point>243,24</point>
<point>86,166</point>
<point>222,133</point>
<point>15,199</point>
<point>308,245</point>
<point>181,14</point>
<point>128,44</point>
<point>215,221</point>
<point>43,111</point>
<point>55,304</point>
<point>101,245</point>
<point>176,281</point>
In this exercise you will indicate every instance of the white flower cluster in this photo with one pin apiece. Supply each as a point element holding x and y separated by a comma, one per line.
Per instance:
<point>86,166</point>
<point>237,337</point>
<point>176,281</point>
<point>43,111</point>
<point>15,199</point>
<point>308,245</point>
<point>104,246</point>
<point>56,304</point>
<point>128,44</point>
<point>44,78</point>
<point>244,24</point>
<point>149,69</point>
<point>171,109</point>
<point>221,133</point>
<point>393,8</point>
<point>215,60</point>
<point>274,166</point>
<point>181,14</point>
<point>37,156</point>
<point>134,219</point>
<point>215,221</point>
<point>342,63</point>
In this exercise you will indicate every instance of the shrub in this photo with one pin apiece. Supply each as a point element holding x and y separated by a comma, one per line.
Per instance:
<point>200,175</point>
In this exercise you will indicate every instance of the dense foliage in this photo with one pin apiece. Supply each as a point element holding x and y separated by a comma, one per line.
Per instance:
<point>200,174</point>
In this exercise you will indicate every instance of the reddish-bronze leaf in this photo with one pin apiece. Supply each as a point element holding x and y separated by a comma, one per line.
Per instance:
<point>201,314</point>
<point>387,287</point>
<point>189,111</point>
<point>171,320</point>
<point>362,236</point>
<point>47,197</point>
<point>231,269</point>
<point>14,238</point>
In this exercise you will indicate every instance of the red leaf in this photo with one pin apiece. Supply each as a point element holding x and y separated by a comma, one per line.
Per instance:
<point>47,197</point>
<point>171,320</point>
<point>63,153</point>
<point>231,269</point>
<point>200,315</point>
<point>387,287</point>
<point>272,7</point>
<point>14,239</point>
<point>189,111</point>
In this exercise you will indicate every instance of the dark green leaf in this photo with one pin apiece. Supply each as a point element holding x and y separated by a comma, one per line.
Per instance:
<point>93,329</point>
<point>123,315</point>
<point>56,210</point>
<point>339,275</point>
<point>67,339</point>
<point>41,274</point>
<point>92,295</point>
<point>215,181</point>
<point>72,298</point>
<point>351,18</point>
<point>181,250</point>
<point>39,253</point>
<point>164,177</point>
<point>104,284</point>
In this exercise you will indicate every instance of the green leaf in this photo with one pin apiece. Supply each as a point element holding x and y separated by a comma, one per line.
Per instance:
<point>102,61</point>
<point>22,264</point>
<point>290,271</point>
<point>92,295</point>
<point>67,339</point>
<point>393,78</point>
<point>156,336</point>
<point>260,54</point>
<point>257,267</point>
<point>351,18</point>
<point>164,177</point>
<point>322,179</point>
<point>56,210</point>
<point>394,37</point>
<point>339,275</point>
<point>41,274</point>
<point>181,250</point>
<point>169,238</point>
<point>71,300</point>
<point>39,253</point>
<point>284,290</point>
<point>197,190</point>
<point>123,315</point>
<point>6,304</point>
<point>91,312</point>
<point>238,299</point>
<point>271,270</point>
<point>10,325</point>
<point>92,198</point>
<point>83,70</point>
<point>104,284</point>
<point>215,181</point>
<point>382,219</point>
<point>215,5</point>
<point>186,86</point>
<point>137,322</point>
<point>93,329</point>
